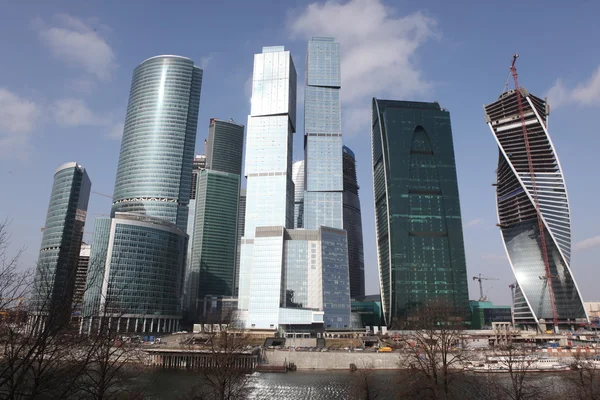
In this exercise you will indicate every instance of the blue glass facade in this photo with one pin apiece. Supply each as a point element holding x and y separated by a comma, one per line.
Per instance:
<point>157,149</point>
<point>417,209</point>
<point>529,205</point>
<point>323,136</point>
<point>298,179</point>
<point>336,283</point>
<point>61,240</point>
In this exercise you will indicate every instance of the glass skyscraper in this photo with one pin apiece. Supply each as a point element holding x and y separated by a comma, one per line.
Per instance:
<point>61,242</point>
<point>157,149</point>
<point>298,179</point>
<point>420,245</point>
<point>519,219</point>
<point>353,226</point>
<point>269,189</point>
<point>140,252</point>
<point>212,267</point>
<point>323,136</point>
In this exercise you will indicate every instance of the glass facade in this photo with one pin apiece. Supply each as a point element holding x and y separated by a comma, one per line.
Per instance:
<point>142,274</point>
<point>240,233</point>
<point>542,286</point>
<point>353,226</point>
<point>269,189</point>
<point>417,209</point>
<point>157,149</point>
<point>213,259</point>
<point>61,241</point>
<point>336,285</point>
<point>298,179</point>
<point>225,146</point>
<point>323,135</point>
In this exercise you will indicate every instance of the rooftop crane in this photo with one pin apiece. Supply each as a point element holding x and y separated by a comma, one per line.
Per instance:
<point>481,278</point>
<point>548,276</point>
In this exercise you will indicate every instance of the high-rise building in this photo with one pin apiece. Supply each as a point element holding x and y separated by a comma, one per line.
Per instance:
<point>353,227</point>
<point>240,234</point>
<point>80,279</point>
<point>323,136</point>
<point>532,205</point>
<point>417,209</point>
<point>140,252</point>
<point>298,179</point>
<point>213,259</point>
<point>157,149</point>
<point>225,146</point>
<point>61,242</point>
<point>198,164</point>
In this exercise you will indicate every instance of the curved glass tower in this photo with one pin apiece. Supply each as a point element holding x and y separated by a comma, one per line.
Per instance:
<point>420,245</point>
<point>157,149</point>
<point>518,215</point>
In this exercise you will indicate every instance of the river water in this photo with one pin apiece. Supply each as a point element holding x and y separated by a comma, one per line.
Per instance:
<point>313,385</point>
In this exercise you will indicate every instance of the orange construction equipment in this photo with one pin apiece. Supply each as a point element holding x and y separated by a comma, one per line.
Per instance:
<point>548,277</point>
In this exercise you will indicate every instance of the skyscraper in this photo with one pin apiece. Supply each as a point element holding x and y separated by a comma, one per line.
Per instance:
<point>212,267</point>
<point>61,242</point>
<point>80,279</point>
<point>240,234</point>
<point>417,209</point>
<point>323,136</point>
<point>353,226</point>
<point>298,179</point>
<point>138,255</point>
<point>157,149</point>
<point>529,173</point>
<point>269,189</point>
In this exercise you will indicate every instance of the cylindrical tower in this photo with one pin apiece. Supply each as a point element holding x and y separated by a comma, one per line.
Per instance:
<point>155,164</point>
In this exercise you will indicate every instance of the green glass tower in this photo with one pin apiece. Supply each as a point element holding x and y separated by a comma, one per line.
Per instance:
<point>417,209</point>
<point>212,270</point>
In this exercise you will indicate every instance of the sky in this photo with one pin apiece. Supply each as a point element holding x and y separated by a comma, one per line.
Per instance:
<point>67,66</point>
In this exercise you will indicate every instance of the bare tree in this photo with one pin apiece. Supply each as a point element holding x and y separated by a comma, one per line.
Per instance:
<point>435,354</point>
<point>517,363</point>
<point>364,385</point>
<point>227,376</point>
<point>584,383</point>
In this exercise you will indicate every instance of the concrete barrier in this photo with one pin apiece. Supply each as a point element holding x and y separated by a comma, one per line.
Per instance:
<point>335,359</point>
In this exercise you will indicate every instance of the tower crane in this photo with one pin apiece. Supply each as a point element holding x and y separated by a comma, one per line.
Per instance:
<point>480,279</point>
<point>548,276</point>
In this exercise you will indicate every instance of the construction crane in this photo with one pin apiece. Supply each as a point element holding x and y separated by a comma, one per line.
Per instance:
<point>480,279</point>
<point>512,287</point>
<point>548,276</point>
<point>102,194</point>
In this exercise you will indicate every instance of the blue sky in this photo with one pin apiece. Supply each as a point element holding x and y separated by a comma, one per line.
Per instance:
<point>66,70</point>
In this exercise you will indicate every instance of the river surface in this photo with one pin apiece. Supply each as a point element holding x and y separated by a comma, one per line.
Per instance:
<point>314,385</point>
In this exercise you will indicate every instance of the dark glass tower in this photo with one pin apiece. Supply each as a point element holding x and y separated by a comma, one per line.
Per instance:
<point>353,226</point>
<point>520,220</point>
<point>212,268</point>
<point>61,241</point>
<point>417,210</point>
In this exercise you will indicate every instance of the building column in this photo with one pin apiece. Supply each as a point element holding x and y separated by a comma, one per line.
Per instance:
<point>151,325</point>
<point>127,325</point>
<point>144,326</point>
<point>136,324</point>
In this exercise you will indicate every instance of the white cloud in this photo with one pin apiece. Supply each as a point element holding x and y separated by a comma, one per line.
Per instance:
<point>583,94</point>
<point>474,222</point>
<point>378,50</point>
<point>116,132</point>
<point>18,119</point>
<point>76,43</point>
<point>589,243</point>
<point>74,112</point>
